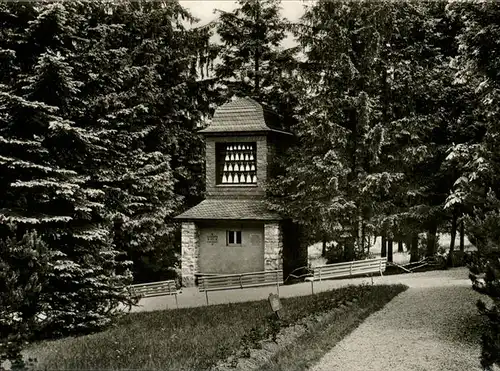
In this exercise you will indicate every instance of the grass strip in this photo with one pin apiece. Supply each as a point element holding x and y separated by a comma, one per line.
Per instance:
<point>193,338</point>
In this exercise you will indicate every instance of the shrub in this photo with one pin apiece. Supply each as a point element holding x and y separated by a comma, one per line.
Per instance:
<point>484,232</point>
<point>24,272</point>
<point>44,294</point>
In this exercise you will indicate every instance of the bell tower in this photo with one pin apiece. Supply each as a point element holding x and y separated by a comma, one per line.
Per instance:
<point>232,231</point>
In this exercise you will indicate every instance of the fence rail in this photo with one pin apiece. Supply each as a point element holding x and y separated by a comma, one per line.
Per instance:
<point>215,282</point>
<point>208,283</point>
<point>159,288</point>
<point>347,269</point>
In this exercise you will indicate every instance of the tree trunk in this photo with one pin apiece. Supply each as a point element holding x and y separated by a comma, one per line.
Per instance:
<point>431,240</point>
<point>389,250</point>
<point>414,256</point>
<point>400,246</point>
<point>462,235</point>
<point>323,249</point>
<point>359,235</point>
<point>383,252</point>
<point>452,240</point>
<point>349,250</point>
<point>257,61</point>
<point>257,74</point>
<point>363,236</point>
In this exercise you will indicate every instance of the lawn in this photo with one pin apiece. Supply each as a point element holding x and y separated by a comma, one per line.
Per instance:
<point>197,338</point>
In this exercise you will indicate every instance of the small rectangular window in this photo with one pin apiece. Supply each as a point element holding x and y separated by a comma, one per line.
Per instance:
<point>233,238</point>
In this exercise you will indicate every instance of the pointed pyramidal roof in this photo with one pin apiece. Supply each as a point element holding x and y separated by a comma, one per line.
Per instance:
<point>244,115</point>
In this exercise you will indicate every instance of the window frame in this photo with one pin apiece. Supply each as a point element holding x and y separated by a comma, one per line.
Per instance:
<point>234,233</point>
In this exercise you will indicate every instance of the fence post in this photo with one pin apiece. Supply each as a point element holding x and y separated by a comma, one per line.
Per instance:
<point>319,274</point>
<point>278,282</point>
<point>206,294</point>
<point>241,283</point>
<point>380,267</point>
<point>312,285</point>
<point>350,270</point>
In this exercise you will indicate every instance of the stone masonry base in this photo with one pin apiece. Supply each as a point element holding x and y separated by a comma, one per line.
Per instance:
<point>190,246</point>
<point>273,247</point>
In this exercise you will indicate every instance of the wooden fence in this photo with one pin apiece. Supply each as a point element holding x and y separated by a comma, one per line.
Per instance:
<point>347,269</point>
<point>159,288</point>
<point>214,282</point>
<point>208,283</point>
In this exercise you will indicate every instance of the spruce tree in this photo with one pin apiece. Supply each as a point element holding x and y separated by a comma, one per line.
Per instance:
<point>335,170</point>
<point>85,282</point>
<point>376,120</point>
<point>144,97</point>
<point>253,61</point>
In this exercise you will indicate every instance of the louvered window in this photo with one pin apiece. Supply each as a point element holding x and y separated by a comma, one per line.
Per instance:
<point>236,163</point>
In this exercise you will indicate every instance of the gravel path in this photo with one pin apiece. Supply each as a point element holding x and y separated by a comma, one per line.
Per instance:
<point>426,328</point>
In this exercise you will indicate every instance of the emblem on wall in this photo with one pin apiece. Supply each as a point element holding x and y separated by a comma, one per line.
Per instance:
<point>255,239</point>
<point>212,238</point>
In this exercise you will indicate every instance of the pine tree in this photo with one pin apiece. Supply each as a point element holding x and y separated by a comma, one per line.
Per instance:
<point>252,61</point>
<point>144,98</point>
<point>85,281</point>
<point>334,173</point>
<point>376,120</point>
<point>424,122</point>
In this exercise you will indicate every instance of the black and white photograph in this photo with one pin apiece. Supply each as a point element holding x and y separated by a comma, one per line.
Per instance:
<point>233,185</point>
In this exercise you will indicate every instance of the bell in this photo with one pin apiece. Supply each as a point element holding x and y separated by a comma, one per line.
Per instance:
<point>230,178</point>
<point>235,179</point>
<point>244,148</point>
<point>242,178</point>
<point>224,179</point>
<point>251,156</point>
<point>247,168</point>
<point>249,178</point>
<point>227,157</point>
<point>236,167</point>
<point>252,168</point>
<point>225,167</point>
<point>239,147</point>
<point>254,179</point>
<point>237,157</point>
<point>246,157</point>
<point>230,168</point>
<point>232,157</point>
<point>230,148</point>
